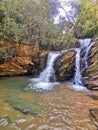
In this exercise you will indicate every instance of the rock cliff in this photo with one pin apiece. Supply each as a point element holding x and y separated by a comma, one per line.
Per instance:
<point>91,73</point>
<point>26,59</point>
<point>20,59</point>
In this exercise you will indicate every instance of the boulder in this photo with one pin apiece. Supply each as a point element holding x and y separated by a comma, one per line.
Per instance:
<point>91,73</point>
<point>64,65</point>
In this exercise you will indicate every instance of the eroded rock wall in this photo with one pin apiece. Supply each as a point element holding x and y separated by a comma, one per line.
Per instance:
<point>20,59</point>
<point>91,73</point>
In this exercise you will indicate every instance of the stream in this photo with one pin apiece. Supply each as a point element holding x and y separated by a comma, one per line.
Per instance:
<point>58,109</point>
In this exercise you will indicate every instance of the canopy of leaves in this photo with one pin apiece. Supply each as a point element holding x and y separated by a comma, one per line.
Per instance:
<point>30,22</point>
<point>88,18</point>
<point>27,21</point>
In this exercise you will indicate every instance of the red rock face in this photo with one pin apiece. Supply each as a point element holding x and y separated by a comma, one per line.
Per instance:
<point>24,60</point>
<point>30,60</point>
<point>92,71</point>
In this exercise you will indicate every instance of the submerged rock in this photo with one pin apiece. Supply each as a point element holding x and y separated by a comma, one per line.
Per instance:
<point>91,73</point>
<point>24,106</point>
<point>65,65</point>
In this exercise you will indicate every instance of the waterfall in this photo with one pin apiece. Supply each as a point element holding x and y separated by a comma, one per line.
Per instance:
<point>46,80</point>
<point>85,48</point>
<point>78,76</point>
<point>48,75</point>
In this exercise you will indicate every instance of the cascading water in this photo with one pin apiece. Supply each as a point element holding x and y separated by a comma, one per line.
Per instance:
<point>85,48</point>
<point>78,76</point>
<point>48,75</point>
<point>46,80</point>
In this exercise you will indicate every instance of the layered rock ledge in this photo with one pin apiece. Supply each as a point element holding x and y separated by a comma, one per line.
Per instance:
<point>21,59</point>
<point>26,59</point>
<point>65,65</point>
<point>91,73</point>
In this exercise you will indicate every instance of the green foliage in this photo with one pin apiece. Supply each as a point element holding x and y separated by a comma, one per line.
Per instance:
<point>6,54</point>
<point>69,40</point>
<point>29,21</point>
<point>88,18</point>
<point>91,31</point>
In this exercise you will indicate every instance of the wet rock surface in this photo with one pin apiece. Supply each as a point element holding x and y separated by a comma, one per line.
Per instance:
<point>64,65</point>
<point>91,73</point>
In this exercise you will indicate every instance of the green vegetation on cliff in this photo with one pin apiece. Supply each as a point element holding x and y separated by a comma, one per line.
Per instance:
<point>30,22</point>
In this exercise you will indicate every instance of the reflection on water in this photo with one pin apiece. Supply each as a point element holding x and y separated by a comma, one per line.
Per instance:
<point>58,109</point>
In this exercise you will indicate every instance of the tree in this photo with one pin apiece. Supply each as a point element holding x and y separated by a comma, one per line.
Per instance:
<point>27,21</point>
<point>88,18</point>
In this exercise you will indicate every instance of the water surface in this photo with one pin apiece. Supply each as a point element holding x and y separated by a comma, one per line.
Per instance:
<point>58,109</point>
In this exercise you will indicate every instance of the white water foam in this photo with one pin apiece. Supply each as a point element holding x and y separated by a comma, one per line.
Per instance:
<point>78,75</point>
<point>43,82</point>
<point>78,88</point>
